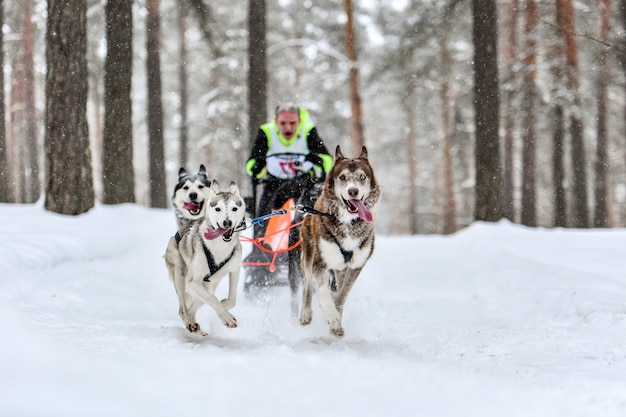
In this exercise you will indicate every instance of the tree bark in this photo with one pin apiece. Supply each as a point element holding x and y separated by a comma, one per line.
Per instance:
<point>257,72</point>
<point>69,182</point>
<point>117,153</point>
<point>601,212</point>
<point>565,12</point>
<point>488,205</point>
<point>156,154</point>
<point>4,162</point>
<point>357,135</point>
<point>528,212</point>
<point>508,184</point>
<point>558,172</point>
<point>182,85</point>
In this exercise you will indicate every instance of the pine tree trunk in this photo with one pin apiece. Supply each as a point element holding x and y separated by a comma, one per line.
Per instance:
<point>488,205</point>
<point>117,154</point>
<point>357,135</point>
<point>257,73</point>
<point>182,84</point>
<point>449,204</point>
<point>4,161</point>
<point>156,153</point>
<point>579,165</point>
<point>601,212</point>
<point>528,212</point>
<point>69,182</point>
<point>558,172</point>
<point>510,90</point>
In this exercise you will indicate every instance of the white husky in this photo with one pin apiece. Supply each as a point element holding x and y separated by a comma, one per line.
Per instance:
<point>203,252</point>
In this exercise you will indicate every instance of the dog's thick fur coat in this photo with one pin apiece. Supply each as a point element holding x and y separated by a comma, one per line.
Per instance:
<point>335,250</point>
<point>205,251</point>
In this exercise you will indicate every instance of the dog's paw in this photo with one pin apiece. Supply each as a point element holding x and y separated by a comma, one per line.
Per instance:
<point>338,332</point>
<point>306,316</point>
<point>195,328</point>
<point>229,320</point>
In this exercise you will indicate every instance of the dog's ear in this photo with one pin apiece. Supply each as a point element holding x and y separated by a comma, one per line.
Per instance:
<point>233,188</point>
<point>202,170</point>
<point>182,173</point>
<point>215,187</point>
<point>338,154</point>
<point>363,153</point>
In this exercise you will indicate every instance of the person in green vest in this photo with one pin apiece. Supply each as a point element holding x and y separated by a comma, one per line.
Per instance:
<point>285,148</point>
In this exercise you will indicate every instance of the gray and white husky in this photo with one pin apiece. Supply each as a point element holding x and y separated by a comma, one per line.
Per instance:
<point>335,248</point>
<point>189,195</point>
<point>204,252</point>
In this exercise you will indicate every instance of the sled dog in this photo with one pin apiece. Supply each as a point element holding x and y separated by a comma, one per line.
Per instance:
<point>336,246</point>
<point>189,195</point>
<point>204,252</point>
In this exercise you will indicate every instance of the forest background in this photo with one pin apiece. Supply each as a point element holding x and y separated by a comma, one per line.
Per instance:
<point>401,76</point>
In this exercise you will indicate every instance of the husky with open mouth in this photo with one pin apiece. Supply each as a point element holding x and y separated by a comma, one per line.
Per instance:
<point>336,246</point>
<point>190,194</point>
<point>204,252</point>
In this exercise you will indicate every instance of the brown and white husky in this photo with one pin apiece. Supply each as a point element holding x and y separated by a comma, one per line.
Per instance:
<point>335,248</point>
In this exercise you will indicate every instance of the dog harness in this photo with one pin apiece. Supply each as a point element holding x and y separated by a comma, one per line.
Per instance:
<point>213,267</point>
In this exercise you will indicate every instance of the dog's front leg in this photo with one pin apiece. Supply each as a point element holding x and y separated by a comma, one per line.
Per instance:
<point>345,284</point>
<point>205,291</point>
<point>327,303</point>
<point>233,280</point>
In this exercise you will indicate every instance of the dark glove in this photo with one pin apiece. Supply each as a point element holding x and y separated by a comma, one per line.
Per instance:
<point>315,159</point>
<point>259,164</point>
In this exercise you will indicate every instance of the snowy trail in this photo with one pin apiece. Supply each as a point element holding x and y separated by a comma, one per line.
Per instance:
<point>495,320</point>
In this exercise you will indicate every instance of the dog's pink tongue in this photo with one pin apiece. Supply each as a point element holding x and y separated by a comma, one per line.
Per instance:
<point>364,213</point>
<point>192,205</point>
<point>214,234</point>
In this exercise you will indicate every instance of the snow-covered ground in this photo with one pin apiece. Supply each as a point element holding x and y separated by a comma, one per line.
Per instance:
<point>496,320</point>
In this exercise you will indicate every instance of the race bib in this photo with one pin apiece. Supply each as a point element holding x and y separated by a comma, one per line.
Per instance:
<point>286,166</point>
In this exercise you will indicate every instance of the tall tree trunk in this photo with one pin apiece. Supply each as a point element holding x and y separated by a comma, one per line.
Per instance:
<point>601,212</point>
<point>622,54</point>
<point>4,160</point>
<point>558,172</point>
<point>156,154</point>
<point>449,205</point>
<point>257,72</point>
<point>23,111</point>
<point>182,84</point>
<point>488,205</point>
<point>528,212</point>
<point>118,177</point>
<point>411,143</point>
<point>508,184</point>
<point>579,165</point>
<point>69,182</point>
<point>357,135</point>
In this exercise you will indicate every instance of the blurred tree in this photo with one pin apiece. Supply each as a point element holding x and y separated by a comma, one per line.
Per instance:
<point>257,68</point>
<point>601,212</point>
<point>182,84</point>
<point>69,182</point>
<point>529,100</point>
<point>357,135</point>
<point>488,206</point>
<point>117,153</point>
<point>4,167</point>
<point>156,158</point>
<point>565,18</point>
<point>510,91</point>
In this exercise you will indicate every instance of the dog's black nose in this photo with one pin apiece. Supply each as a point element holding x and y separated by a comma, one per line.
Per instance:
<point>353,192</point>
<point>193,196</point>
<point>228,224</point>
